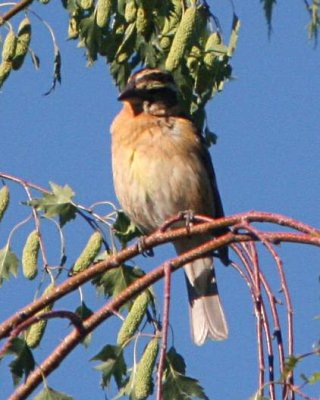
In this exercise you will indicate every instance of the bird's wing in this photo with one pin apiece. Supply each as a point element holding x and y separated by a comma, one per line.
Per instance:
<point>219,212</point>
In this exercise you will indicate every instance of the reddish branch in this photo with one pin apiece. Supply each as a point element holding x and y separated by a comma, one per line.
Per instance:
<point>71,316</point>
<point>284,288</point>
<point>14,10</point>
<point>165,324</point>
<point>309,235</point>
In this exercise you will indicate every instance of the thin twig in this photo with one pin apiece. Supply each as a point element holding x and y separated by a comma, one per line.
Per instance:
<point>259,314</point>
<point>151,241</point>
<point>243,253</point>
<point>165,324</point>
<point>74,319</point>
<point>14,10</point>
<point>74,338</point>
<point>285,289</point>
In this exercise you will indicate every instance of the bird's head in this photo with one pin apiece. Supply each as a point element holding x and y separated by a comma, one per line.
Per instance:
<point>152,86</point>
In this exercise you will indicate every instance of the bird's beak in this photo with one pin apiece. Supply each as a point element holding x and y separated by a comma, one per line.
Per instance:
<point>128,92</point>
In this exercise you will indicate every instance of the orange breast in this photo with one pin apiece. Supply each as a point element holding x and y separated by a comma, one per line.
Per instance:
<point>158,169</point>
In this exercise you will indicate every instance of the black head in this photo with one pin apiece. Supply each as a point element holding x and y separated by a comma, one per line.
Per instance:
<point>150,84</point>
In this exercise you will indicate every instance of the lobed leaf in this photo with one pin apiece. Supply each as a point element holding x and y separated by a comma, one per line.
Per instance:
<point>114,281</point>
<point>50,394</point>
<point>23,363</point>
<point>176,384</point>
<point>124,229</point>
<point>58,203</point>
<point>113,365</point>
<point>8,263</point>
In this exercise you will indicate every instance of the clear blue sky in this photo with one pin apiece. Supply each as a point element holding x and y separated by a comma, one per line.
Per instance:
<point>267,158</point>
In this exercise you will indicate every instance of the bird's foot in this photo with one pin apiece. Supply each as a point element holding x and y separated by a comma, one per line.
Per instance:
<point>188,216</point>
<point>142,247</point>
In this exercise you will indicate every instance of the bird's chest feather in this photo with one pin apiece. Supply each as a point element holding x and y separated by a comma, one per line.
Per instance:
<point>156,169</point>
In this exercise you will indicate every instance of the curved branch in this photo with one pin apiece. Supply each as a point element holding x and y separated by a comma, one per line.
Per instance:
<point>75,337</point>
<point>14,10</point>
<point>158,238</point>
<point>71,316</point>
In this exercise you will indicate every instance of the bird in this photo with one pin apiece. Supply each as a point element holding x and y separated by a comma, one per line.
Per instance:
<point>161,166</point>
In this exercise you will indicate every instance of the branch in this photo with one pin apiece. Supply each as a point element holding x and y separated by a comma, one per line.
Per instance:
<point>165,323</point>
<point>14,10</point>
<point>311,237</point>
<point>75,337</point>
<point>71,316</point>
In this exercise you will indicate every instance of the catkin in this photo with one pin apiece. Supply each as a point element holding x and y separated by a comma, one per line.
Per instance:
<point>130,11</point>
<point>4,199</point>
<point>5,69</point>
<point>143,386</point>
<point>86,4</point>
<point>165,42</point>
<point>182,39</point>
<point>30,255</point>
<point>212,42</point>
<point>122,57</point>
<point>89,253</point>
<point>144,17</point>
<point>193,58</point>
<point>73,31</point>
<point>133,319</point>
<point>9,46</point>
<point>142,22</point>
<point>103,12</point>
<point>23,41</point>
<point>35,332</point>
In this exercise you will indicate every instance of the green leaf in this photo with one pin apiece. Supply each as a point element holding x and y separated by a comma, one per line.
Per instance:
<point>178,386</point>
<point>50,394</point>
<point>116,280</point>
<point>23,363</point>
<point>71,5</point>
<point>113,364</point>
<point>90,35</point>
<point>176,361</point>
<point>257,397</point>
<point>289,366</point>
<point>268,8</point>
<point>234,35</point>
<point>120,73</point>
<point>59,202</point>
<point>124,229</point>
<point>314,378</point>
<point>84,312</point>
<point>8,263</point>
<point>127,45</point>
<point>314,25</point>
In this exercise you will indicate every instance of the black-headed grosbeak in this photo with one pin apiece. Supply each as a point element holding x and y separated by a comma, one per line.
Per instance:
<point>161,166</point>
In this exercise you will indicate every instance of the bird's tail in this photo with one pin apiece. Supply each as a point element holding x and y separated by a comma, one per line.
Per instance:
<point>207,318</point>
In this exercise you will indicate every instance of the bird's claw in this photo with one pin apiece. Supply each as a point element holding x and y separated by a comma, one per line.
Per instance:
<point>188,216</point>
<point>142,248</point>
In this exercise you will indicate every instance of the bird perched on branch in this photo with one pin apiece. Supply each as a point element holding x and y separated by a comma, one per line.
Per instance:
<point>161,166</point>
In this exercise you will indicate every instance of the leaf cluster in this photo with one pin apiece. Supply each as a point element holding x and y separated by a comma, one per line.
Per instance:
<point>140,33</point>
<point>176,384</point>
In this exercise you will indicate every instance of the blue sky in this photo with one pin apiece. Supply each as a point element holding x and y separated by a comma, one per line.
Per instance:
<point>267,158</point>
